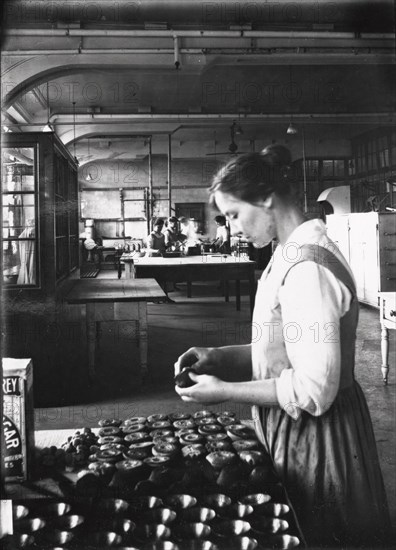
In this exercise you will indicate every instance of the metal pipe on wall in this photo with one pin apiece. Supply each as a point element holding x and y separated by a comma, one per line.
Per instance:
<point>150,190</point>
<point>169,174</point>
<point>122,212</point>
<point>304,173</point>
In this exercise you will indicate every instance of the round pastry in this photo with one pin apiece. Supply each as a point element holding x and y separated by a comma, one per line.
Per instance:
<point>112,439</point>
<point>105,469</point>
<point>109,455</point>
<point>135,420</point>
<point>133,428</point>
<point>161,432</point>
<point>116,446</point>
<point>196,450</point>
<point>165,439</point>
<point>239,431</point>
<point>179,416</point>
<point>137,437</point>
<point>220,445</point>
<point>206,420</point>
<point>109,430</point>
<point>183,380</point>
<point>160,424</point>
<point>137,454</point>
<point>230,414</point>
<point>183,431</point>
<point>109,422</point>
<point>226,420</point>
<point>209,429</point>
<point>129,464</point>
<point>156,418</point>
<point>190,438</point>
<point>203,414</point>
<point>140,445</point>
<point>187,423</point>
<point>155,461</point>
<point>165,449</point>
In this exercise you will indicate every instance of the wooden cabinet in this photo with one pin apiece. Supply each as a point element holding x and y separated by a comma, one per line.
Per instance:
<point>40,251</point>
<point>368,242</point>
<point>40,213</point>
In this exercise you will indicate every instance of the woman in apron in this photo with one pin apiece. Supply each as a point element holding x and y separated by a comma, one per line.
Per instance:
<point>298,372</point>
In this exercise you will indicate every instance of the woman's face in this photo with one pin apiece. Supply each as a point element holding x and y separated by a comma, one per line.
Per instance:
<point>254,222</point>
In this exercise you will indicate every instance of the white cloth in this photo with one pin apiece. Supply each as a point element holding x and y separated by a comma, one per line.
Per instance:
<point>90,244</point>
<point>296,319</point>
<point>222,235</point>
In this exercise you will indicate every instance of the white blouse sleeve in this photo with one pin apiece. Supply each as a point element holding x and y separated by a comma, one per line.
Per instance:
<point>312,300</point>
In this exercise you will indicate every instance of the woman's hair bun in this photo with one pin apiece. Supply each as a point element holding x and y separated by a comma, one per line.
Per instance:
<point>277,155</point>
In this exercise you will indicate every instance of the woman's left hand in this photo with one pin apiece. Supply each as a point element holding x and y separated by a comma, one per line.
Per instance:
<point>207,389</point>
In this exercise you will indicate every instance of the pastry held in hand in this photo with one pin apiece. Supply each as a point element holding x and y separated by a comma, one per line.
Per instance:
<point>183,379</point>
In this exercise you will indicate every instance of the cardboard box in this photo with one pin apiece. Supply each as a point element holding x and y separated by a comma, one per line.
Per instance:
<point>18,418</point>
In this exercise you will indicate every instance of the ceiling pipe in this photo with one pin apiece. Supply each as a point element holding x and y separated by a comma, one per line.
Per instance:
<point>120,117</point>
<point>111,51</point>
<point>140,33</point>
<point>185,33</point>
<point>283,51</point>
<point>322,118</point>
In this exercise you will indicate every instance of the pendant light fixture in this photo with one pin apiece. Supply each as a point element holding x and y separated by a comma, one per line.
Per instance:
<point>291,130</point>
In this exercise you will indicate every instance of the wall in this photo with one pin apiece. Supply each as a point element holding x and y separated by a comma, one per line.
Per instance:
<point>190,181</point>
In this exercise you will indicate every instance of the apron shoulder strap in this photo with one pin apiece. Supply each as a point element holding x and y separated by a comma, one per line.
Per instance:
<point>326,258</point>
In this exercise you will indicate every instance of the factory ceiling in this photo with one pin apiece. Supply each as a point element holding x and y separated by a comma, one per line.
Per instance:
<point>110,77</point>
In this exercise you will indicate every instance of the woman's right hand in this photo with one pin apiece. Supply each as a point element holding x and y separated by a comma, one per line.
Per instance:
<point>203,360</point>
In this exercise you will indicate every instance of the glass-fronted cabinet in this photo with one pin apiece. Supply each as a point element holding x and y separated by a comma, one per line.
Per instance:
<point>39,212</point>
<point>39,240</point>
<point>20,231</point>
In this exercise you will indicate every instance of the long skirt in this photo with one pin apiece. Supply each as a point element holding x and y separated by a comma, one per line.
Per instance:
<point>329,466</point>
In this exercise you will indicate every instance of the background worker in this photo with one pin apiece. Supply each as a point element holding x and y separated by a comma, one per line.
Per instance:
<point>156,239</point>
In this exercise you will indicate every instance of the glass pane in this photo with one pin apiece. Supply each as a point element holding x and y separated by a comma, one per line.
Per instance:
<point>339,168</point>
<point>327,168</point>
<point>18,169</point>
<point>18,216</point>
<point>19,262</point>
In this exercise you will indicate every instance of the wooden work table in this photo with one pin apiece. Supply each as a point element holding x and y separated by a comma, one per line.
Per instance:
<point>207,267</point>
<point>115,300</point>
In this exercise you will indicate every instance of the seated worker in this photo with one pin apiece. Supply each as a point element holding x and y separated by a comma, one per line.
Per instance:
<point>156,239</point>
<point>94,250</point>
<point>174,238</point>
<point>222,240</point>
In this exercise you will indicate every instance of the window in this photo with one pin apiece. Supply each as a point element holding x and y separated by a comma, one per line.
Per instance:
<point>333,168</point>
<point>383,152</point>
<point>20,228</point>
<point>393,149</point>
<point>312,167</point>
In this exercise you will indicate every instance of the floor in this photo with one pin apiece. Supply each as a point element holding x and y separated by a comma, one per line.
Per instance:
<point>206,320</point>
